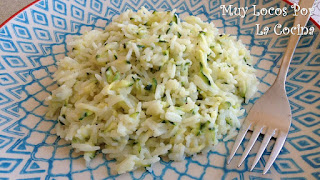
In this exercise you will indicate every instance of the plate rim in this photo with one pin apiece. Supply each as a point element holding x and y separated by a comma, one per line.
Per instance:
<point>34,2</point>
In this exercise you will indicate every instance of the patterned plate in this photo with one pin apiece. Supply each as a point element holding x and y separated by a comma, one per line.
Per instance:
<point>33,40</point>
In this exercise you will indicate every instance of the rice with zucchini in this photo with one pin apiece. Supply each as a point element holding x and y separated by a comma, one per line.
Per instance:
<point>151,85</point>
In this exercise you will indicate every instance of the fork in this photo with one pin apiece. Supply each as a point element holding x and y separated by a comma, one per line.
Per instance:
<point>271,114</point>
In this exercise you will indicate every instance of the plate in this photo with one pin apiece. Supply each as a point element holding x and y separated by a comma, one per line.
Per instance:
<point>34,39</point>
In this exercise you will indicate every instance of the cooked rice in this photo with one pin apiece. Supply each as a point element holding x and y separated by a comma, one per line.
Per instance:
<point>151,85</point>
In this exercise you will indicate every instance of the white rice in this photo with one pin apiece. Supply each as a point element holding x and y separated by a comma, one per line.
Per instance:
<point>151,85</point>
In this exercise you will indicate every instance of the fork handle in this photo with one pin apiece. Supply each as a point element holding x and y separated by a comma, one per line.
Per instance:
<point>293,41</point>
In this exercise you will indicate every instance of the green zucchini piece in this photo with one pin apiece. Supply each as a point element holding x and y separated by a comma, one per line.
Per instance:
<point>202,32</point>
<point>134,115</point>
<point>165,53</point>
<point>111,126</point>
<point>162,41</point>
<point>168,30</point>
<point>116,76</point>
<point>109,75</point>
<point>243,94</point>
<point>202,127</point>
<point>213,131</point>
<point>91,154</point>
<point>154,83</point>
<point>85,114</point>
<point>175,18</point>
<point>228,120</point>
<point>138,146</point>
<point>225,105</point>
<point>173,123</point>
<point>148,87</point>
<point>203,76</point>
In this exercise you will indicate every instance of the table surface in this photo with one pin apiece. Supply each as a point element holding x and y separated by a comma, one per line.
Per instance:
<point>10,7</point>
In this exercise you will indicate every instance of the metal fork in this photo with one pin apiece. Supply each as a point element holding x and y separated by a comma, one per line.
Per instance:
<point>271,114</point>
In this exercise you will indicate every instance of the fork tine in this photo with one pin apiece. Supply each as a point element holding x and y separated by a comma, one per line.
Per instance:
<point>276,150</point>
<point>244,128</point>
<point>265,142</point>
<point>253,138</point>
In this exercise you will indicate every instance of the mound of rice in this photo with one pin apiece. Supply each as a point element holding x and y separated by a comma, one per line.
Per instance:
<point>151,85</point>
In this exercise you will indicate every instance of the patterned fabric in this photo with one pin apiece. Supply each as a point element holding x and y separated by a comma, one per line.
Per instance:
<point>34,40</point>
